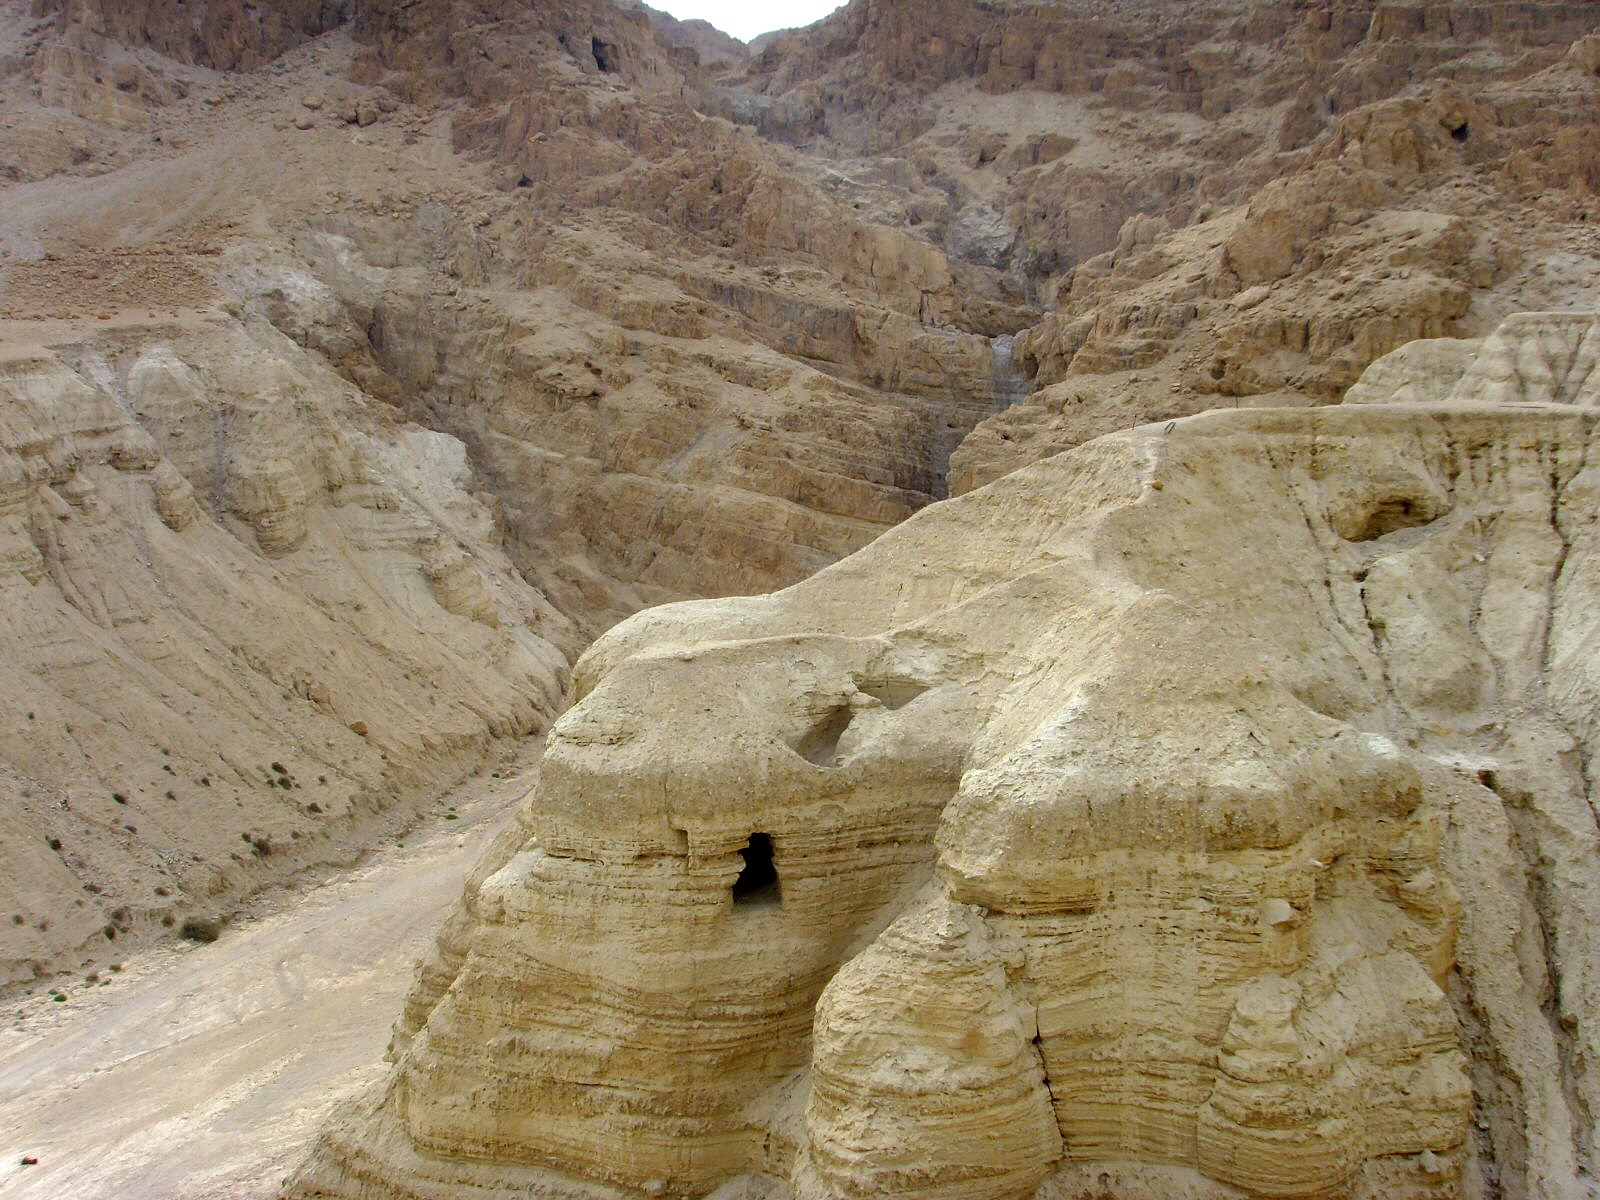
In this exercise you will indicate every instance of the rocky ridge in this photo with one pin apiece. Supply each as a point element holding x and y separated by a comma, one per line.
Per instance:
<point>251,623</point>
<point>1225,204</point>
<point>1205,811</point>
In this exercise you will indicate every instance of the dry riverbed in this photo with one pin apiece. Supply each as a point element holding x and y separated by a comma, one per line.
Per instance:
<point>200,1072</point>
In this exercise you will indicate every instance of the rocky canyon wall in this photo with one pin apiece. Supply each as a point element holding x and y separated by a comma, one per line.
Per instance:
<point>1227,204</point>
<point>362,362</point>
<point>249,621</point>
<point>360,316</point>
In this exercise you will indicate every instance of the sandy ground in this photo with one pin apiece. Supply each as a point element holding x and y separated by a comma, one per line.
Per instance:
<point>200,1072</point>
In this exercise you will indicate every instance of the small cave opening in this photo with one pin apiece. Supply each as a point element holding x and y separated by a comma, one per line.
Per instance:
<point>758,878</point>
<point>820,743</point>
<point>892,693</point>
<point>1461,132</point>
<point>605,55</point>
<point>1391,515</point>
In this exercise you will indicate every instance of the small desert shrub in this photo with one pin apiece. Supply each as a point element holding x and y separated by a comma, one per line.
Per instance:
<point>201,929</point>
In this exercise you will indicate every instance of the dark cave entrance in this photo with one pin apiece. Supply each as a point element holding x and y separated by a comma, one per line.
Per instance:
<point>758,879</point>
<point>605,55</point>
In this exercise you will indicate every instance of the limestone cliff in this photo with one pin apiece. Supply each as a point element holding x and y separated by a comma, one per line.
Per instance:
<point>1228,203</point>
<point>1205,812</point>
<point>1424,212</point>
<point>364,360</point>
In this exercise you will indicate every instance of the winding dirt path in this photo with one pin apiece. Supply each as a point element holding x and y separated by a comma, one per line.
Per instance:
<point>200,1072</point>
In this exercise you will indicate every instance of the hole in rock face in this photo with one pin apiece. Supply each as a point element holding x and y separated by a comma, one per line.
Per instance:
<point>758,879</point>
<point>1390,515</point>
<point>820,743</point>
<point>1461,132</point>
<point>892,693</point>
<point>605,57</point>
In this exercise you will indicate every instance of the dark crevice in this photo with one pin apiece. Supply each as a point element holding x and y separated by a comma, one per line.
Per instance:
<point>1524,815</point>
<point>758,878</point>
<point>1036,1042</point>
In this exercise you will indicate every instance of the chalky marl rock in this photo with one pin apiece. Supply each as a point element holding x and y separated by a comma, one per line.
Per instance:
<point>248,622</point>
<point>1200,812</point>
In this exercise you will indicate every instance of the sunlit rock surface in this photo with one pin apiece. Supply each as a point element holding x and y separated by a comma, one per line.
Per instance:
<point>1201,812</point>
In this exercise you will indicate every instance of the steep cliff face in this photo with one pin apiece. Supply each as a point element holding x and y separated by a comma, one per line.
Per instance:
<point>1429,211</point>
<point>1223,204</point>
<point>230,35</point>
<point>1202,812</point>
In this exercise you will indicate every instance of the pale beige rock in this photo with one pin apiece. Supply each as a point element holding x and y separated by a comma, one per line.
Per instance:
<point>1532,358</point>
<point>218,560</point>
<point>1420,372</point>
<point>1202,812</point>
<point>250,301</point>
<point>702,337</point>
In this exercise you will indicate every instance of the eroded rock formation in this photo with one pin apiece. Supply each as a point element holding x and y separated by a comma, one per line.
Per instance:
<point>1201,812</point>
<point>357,319</point>
<point>309,308</point>
<point>248,621</point>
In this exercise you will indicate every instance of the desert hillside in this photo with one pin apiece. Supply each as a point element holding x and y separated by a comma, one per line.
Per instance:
<point>363,361</point>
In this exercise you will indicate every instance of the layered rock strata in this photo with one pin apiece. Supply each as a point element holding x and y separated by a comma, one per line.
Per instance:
<point>1218,203</point>
<point>368,311</point>
<point>1204,811</point>
<point>250,622</point>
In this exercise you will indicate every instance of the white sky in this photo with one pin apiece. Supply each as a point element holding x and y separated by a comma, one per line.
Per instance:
<point>745,19</point>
